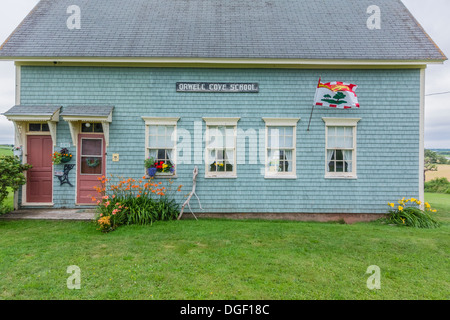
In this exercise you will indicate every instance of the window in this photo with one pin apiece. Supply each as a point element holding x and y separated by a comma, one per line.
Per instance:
<point>161,143</point>
<point>220,153</point>
<point>340,147</point>
<point>91,127</point>
<point>38,127</point>
<point>281,148</point>
<point>91,156</point>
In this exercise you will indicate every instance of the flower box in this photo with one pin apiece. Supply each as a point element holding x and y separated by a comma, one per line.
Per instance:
<point>159,168</point>
<point>164,174</point>
<point>17,153</point>
<point>151,172</point>
<point>220,167</point>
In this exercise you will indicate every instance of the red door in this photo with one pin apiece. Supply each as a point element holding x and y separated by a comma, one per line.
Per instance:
<point>91,166</point>
<point>39,178</point>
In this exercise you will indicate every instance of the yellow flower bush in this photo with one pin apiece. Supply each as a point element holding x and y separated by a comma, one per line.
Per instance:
<point>410,213</point>
<point>104,224</point>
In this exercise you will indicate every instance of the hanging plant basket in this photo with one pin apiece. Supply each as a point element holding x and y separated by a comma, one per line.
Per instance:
<point>62,156</point>
<point>66,156</point>
<point>65,159</point>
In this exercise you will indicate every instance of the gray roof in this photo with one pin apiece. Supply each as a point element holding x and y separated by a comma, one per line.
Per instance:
<point>281,29</point>
<point>95,111</point>
<point>32,110</point>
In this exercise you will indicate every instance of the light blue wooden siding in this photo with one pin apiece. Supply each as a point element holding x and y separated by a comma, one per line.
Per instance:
<point>387,135</point>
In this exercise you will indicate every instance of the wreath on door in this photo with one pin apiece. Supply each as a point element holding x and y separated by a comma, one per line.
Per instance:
<point>92,163</point>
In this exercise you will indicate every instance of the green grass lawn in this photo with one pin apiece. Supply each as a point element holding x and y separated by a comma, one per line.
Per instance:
<point>226,259</point>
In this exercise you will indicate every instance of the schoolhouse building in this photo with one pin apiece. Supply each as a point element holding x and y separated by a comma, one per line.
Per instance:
<point>288,108</point>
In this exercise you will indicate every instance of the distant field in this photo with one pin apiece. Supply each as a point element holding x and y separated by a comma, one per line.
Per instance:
<point>443,172</point>
<point>5,151</point>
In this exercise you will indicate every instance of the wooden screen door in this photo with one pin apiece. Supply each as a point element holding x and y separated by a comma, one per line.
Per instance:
<point>39,178</point>
<point>91,165</point>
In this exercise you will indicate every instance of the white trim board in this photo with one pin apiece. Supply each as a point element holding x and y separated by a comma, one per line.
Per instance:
<point>422,139</point>
<point>161,121</point>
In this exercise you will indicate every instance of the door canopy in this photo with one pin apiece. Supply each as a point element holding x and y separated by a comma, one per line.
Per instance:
<point>76,114</point>
<point>21,115</point>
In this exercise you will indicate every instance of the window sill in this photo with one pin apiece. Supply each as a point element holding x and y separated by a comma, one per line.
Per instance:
<point>342,177</point>
<point>274,176</point>
<point>220,176</point>
<point>158,176</point>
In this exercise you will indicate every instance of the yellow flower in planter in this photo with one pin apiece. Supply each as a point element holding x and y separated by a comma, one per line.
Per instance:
<point>391,205</point>
<point>400,208</point>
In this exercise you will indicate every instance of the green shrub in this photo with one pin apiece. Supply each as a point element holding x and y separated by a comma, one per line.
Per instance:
<point>11,175</point>
<point>438,185</point>
<point>134,202</point>
<point>5,209</point>
<point>408,213</point>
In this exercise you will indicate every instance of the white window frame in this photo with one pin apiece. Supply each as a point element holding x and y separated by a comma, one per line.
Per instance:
<point>281,122</point>
<point>214,122</point>
<point>342,122</point>
<point>162,121</point>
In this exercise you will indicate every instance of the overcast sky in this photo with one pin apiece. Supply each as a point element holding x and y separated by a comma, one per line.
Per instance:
<point>431,14</point>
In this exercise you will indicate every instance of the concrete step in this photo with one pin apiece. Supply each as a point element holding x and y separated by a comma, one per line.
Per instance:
<point>50,214</point>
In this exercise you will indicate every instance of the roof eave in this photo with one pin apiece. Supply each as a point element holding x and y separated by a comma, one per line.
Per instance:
<point>219,61</point>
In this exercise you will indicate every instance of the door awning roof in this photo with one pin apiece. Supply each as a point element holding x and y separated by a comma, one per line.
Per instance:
<point>74,114</point>
<point>33,113</point>
<point>88,113</point>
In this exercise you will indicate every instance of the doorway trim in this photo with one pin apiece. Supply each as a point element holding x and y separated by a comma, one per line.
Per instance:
<point>78,162</point>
